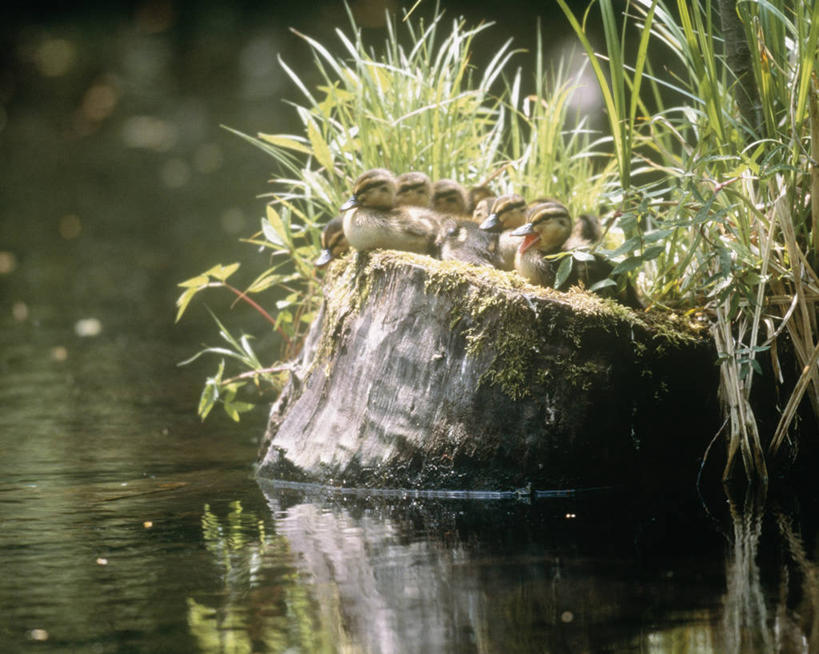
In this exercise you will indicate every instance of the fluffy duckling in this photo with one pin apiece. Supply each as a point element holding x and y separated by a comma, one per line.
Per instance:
<point>482,209</point>
<point>333,242</point>
<point>475,196</point>
<point>587,231</point>
<point>463,240</point>
<point>507,213</point>
<point>548,229</point>
<point>372,220</point>
<point>413,189</point>
<point>449,198</point>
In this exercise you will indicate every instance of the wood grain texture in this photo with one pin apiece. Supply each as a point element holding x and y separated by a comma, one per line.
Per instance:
<point>427,374</point>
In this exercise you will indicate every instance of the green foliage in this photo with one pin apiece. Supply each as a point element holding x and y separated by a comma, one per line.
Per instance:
<point>224,391</point>
<point>714,209</point>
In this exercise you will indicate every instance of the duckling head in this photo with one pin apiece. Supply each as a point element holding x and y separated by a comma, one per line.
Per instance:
<point>449,197</point>
<point>548,228</point>
<point>333,242</point>
<point>374,189</point>
<point>414,189</point>
<point>476,195</point>
<point>507,212</point>
<point>483,209</point>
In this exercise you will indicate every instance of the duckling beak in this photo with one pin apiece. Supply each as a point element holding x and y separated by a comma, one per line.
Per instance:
<point>530,236</point>
<point>524,230</point>
<point>323,259</point>
<point>350,204</point>
<point>491,223</point>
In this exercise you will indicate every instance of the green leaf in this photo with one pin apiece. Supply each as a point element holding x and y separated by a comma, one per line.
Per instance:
<point>184,300</point>
<point>320,148</point>
<point>265,281</point>
<point>195,282</point>
<point>657,235</point>
<point>284,318</point>
<point>208,398</point>
<point>582,255</point>
<point>563,271</point>
<point>285,141</point>
<point>221,272</point>
<point>653,252</point>
<point>603,283</point>
<point>211,392</point>
<point>273,228</point>
<point>627,264</point>
<point>630,245</point>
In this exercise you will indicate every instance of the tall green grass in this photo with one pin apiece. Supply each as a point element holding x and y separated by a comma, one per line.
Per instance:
<point>718,207</point>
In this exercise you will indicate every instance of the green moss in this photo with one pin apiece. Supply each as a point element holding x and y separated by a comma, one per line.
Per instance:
<point>503,316</point>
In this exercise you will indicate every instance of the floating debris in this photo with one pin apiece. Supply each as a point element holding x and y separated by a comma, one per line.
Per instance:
<point>59,353</point>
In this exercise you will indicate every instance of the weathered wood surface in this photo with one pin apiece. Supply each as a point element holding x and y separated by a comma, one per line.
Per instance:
<point>428,374</point>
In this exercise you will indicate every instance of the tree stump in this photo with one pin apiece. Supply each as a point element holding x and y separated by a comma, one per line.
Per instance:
<point>420,373</point>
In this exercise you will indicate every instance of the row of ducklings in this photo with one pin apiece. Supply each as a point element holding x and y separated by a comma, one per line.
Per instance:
<point>410,213</point>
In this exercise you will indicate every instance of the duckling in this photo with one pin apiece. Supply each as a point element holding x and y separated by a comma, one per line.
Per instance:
<point>333,242</point>
<point>482,209</point>
<point>449,198</point>
<point>548,229</point>
<point>372,220</point>
<point>476,195</point>
<point>507,213</point>
<point>413,189</point>
<point>587,231</point>
<point>463,240</point>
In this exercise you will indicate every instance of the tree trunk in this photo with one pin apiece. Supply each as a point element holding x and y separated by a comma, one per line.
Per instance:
<point>430,374</point>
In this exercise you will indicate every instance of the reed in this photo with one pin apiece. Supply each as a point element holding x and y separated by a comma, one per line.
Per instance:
<point>717,204</point>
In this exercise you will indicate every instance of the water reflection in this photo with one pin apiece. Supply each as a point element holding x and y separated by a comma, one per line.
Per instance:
<point>772,595</point>
<point>337,573</point>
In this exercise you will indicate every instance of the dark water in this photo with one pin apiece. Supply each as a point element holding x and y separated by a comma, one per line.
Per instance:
<point>127,525</point>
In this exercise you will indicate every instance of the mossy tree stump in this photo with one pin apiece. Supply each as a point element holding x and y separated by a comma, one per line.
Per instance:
<point>427,374</point>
